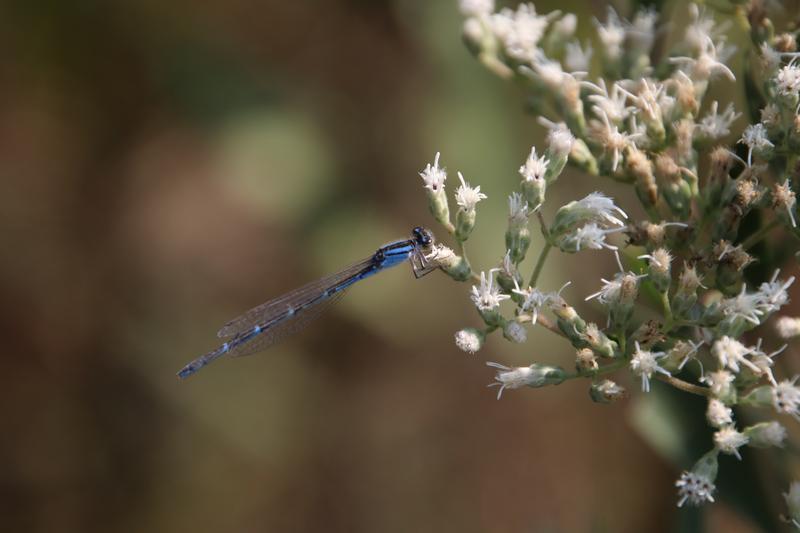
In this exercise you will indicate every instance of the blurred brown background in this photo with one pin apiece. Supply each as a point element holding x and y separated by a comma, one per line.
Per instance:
<point>167,165</point>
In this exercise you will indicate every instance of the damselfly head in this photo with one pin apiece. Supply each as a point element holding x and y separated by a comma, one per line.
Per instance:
<point>422,236</point>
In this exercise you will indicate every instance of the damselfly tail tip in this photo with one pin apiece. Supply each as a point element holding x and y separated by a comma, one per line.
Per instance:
<point>190,369</point>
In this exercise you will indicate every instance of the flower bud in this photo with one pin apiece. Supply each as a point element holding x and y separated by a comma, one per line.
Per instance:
<point>534,191</point>
<point>560,145</point>
<point>766,435</point>
<point>606,391</point>
<point>535,375</point>
<point>686,295</point>
<point>465,221</point>
<point>676,190</point>
<point>598,341</point>
<point>585,361</point>
<point>581,156</point>
<point>518,235</point>
<point>515,332</point>
<point>640,166</point>
<point>457,267</point>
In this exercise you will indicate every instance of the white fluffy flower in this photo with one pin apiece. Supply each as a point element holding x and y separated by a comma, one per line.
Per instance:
<point>577,58</point>
<point>611,139</point>
<point>468,340</point>
<point>720,382</point>
<point>467,197</point>
<point>644,363</point>
<point>773,293</point>
<point>534,167</point>
<point>613,103</point>
<point>793,503</point>
<point>788,80</point>
<point>517,208</point>
<point>520,30</point>
<point>534,300</point>
<point>728,440</point>
<point>714,125</point>
<point>786,397</point>
<point>767,435</point>
<point>695,489</point>
<point>755,138</point>
<point>588,237</point>
<point>718,414</point>
<point>559,139</point>
<point>475,8</point>
<point>707,64</point>
<point>434,176</point>
<point>788,327</point>
<point>597,206</point>
<point>488,296</point>
<point>611,34</point>
<point>731,353</point>
<point>510,377</point>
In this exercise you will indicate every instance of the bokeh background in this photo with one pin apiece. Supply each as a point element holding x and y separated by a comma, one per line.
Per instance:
<point>167,165</point>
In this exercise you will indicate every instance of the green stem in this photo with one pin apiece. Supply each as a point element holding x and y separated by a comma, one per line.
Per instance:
<point>762,232</point>
<point>540,264</point>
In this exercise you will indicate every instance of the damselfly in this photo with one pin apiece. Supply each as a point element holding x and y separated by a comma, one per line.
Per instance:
<point>264,325</point>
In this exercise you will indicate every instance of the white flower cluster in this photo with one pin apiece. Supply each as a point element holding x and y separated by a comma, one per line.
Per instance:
<point>639,115</point>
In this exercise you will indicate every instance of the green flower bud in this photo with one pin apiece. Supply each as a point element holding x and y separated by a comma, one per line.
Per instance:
<point>606,391</point>
<point>465,221</point>
<point>766,435</point>
<point>518,236</point>
<point>598,341</point>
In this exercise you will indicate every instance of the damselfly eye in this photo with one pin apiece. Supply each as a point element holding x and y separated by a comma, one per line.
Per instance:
<point>422,236</point>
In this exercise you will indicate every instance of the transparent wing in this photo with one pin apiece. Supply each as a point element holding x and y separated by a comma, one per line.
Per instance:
<point>277,307</point>
<point>283,329</point>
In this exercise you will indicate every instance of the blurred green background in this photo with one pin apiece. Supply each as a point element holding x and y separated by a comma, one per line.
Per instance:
<point>167,165</point>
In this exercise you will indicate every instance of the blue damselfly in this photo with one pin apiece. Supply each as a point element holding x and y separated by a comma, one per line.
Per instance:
<point>264,325</point>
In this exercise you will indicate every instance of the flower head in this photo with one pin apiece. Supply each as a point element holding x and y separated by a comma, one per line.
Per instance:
<point>434,176</point>
<point>793,502</point>
<point>525,376</point>
<point>788,327</point>
<point>475,8</point>
<point>467,197</point>
<point>720,382</point>
<point>766,435</point>
<point>730,353</point>
<point>696,489</point>
<point>469,340</point>
<point>534,167</point>
<point>488,296</point>
<point>755,138</point>
<point>559,139</point>
<point>715,126</point>
<point>611,34</point>
<point>534,300</point>
<point>718,414</point>
<point>728,440</point>
<point>644,363</point>
<point>786,397</point>
<point>708,63</point>
<point>787,80</point>
<point>517,209</point>
<point>773,293</point>
<point>577,58</point>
